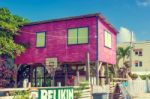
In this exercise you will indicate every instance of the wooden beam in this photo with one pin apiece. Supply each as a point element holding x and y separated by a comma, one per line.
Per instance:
<point>88,67</point>
<point>107,79</point>
<point>98,66</point>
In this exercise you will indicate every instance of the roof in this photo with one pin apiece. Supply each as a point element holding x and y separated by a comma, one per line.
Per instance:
<point>74,17</point>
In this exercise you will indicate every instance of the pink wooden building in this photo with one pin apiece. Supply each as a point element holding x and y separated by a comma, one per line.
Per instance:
<point>67,40</point>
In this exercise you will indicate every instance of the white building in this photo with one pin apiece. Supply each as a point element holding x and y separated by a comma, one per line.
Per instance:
<point>140,57</point>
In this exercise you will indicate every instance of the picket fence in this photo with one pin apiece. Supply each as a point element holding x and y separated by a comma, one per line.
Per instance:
<point>138,86</point>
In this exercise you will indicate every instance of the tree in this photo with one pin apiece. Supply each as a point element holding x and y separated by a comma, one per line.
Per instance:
<point>123,53</point>
<point>9,27</point>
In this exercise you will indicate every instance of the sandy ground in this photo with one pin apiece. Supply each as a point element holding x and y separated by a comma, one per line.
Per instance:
<point>141,96</point>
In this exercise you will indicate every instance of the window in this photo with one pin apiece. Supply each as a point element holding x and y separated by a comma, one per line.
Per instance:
<point>72,36</point>
<point>136,64</point>
<point>140,53</point>
<point>40,39</point>
<point>136,52</point>
<point>78,36</point>
<point>140,63</point>
<point>107,39</point>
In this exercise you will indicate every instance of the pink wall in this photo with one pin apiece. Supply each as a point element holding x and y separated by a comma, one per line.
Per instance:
<point>106,54</point>
<point>56,42</point>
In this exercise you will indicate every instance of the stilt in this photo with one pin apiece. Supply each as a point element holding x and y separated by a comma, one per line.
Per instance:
<point>87,67</point>
<point>66,78</point>
<point>78,75</point>
<point>16,70</point>
<point>97,72</point>
<point>107,74</point>
<point>98,67</point>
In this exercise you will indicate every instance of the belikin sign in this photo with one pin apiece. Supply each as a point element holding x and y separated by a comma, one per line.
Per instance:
<point>56,93</point>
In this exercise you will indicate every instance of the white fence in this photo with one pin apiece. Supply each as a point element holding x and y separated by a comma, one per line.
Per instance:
<point>100,89</point>
<point>138,86</point>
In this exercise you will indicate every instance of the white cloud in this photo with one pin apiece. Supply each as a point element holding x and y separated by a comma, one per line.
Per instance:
<point>144,3</point>
<point>125,35</point>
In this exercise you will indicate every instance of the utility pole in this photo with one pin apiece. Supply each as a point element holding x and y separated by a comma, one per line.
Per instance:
<point>131,48</point>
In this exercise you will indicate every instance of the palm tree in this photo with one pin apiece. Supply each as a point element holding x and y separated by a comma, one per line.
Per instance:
<point>123,53</point>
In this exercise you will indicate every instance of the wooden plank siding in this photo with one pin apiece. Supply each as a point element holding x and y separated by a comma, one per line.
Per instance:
<point>56,41</point>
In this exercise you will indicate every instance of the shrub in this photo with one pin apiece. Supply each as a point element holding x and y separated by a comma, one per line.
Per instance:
<point>21,95</point>
<point>148,76</point>
<point>134,76</point>
<point>143,77</point>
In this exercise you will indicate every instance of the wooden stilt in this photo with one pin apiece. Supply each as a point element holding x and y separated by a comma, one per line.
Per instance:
<point>97,73</point>
<point>102,71</point>
<point>98,67</point>
<point>78,75</point>
<point>107,74</point>
<point>16,70</point>
<point>87,67</point>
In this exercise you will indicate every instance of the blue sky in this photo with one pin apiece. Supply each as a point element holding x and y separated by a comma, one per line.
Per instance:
<point>132,15</point>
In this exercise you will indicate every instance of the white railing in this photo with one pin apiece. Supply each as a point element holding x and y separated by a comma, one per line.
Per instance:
<point>100,89</point>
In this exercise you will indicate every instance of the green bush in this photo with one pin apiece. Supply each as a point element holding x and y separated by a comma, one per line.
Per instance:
<point>134,76</point>
<point>21,94</point>
<point>148,76</point>
<point>143,77</point>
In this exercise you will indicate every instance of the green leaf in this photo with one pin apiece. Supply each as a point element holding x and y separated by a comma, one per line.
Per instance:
<point>9,25</point>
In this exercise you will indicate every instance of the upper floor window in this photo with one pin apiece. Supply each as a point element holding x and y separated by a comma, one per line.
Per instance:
<point>107,37</point>
<point>40,39</point>
<point>138,52</point>
<point>78,35</point>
